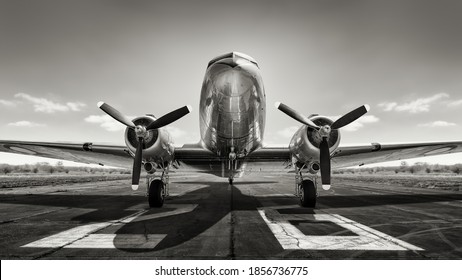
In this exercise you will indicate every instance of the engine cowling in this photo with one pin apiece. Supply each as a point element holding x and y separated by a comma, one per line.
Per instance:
<point>304,145</point>
<point>158,148</point>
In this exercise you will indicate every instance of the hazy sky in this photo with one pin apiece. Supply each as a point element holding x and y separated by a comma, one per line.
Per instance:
<point>59,58</point>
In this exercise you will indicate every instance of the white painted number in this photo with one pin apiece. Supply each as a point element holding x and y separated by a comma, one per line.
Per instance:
<point>362,238</point>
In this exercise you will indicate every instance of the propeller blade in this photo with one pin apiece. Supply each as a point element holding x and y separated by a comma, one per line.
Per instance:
<point>295,115</point>
<point>118,116</point>
<point>324,158</point>
<point>350,117</point>
<point>137,164</point>
<point>169,118</point>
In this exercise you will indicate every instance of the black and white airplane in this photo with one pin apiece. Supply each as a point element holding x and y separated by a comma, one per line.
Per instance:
<point>232,122</point>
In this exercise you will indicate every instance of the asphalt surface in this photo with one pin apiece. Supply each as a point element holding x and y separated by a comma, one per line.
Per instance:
<point>206,218</point>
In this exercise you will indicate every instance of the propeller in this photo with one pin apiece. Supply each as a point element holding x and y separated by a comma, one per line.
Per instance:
<point>118,116</point>
<point>324,131</point>
<point>295,115</point>
<point>142,131</point>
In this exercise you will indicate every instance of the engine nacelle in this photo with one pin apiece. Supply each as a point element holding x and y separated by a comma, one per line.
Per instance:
<point>304,145</point>
<point>158,148</point>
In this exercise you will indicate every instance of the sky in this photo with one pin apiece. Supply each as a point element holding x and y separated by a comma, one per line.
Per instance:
<point>59,58</point>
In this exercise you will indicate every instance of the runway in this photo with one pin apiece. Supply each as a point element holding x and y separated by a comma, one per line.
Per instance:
<point>206,218</point>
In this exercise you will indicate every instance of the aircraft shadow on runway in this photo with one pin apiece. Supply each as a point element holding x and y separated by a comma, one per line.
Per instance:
<point>213,201</point>
<point>225,184</point>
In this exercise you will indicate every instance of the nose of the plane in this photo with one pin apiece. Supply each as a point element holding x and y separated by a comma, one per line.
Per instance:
<point>234,82</point>
<point>233,59</point>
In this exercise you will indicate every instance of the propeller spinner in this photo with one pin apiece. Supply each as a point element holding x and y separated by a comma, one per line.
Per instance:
<point>142,132</point>
<point>324,131</point>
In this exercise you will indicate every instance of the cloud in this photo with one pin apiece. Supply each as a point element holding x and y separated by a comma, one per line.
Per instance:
<point>105,122</point>
<point>48,106</point>
<point>7,103</point>
<point>388,106</point>
<point>25,124</point>
<point>75,106</point>
<point>288,132</point>
<point>455,103</point>
<point>437,124</point>
<point>417,106</point>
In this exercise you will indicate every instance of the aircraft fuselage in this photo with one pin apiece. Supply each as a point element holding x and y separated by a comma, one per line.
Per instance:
<point>232,106</point>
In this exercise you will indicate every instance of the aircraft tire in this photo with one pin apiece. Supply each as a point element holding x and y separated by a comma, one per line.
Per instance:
<point>308,194</point>
<point>156,193</point>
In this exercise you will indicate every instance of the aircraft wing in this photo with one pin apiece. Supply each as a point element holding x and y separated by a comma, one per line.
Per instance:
<point>106,155</point>
<point>189,158</point>
<point>196,158</point>
<point>279,159</point>
<point>375,152</point>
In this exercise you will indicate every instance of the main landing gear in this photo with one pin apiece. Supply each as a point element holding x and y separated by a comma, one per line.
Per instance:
<point>308,193</point>
<point>306,190</point>
<point>157,189</point>
<point>156,193</point>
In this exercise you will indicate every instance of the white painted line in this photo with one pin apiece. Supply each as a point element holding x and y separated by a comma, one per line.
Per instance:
<point>70,236</point>
<point>67,237</point>
<point>86,237</point>
<point>357,228</point>
<point>291,238</point>
<point>118,241</point>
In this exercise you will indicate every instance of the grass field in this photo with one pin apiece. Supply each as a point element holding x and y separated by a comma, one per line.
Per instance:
<point>432,181</point>
<point>30,180</point>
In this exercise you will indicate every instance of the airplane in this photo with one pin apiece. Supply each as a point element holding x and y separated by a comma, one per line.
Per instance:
<point>232,112</point>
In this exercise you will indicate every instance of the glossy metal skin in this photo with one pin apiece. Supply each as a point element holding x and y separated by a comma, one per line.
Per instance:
<point>232,106</point>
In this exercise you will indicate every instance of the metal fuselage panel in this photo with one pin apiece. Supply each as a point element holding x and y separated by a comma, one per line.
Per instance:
<point>232,107</point>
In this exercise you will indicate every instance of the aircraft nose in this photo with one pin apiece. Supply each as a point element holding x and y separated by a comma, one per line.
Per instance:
<point>232,61</point>
<point>234,83</point>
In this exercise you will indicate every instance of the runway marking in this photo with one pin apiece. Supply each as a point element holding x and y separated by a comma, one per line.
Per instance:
<point>366,238</point>
<point>67,237</point>
<point>86,237</point>
<point>118,241</point>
